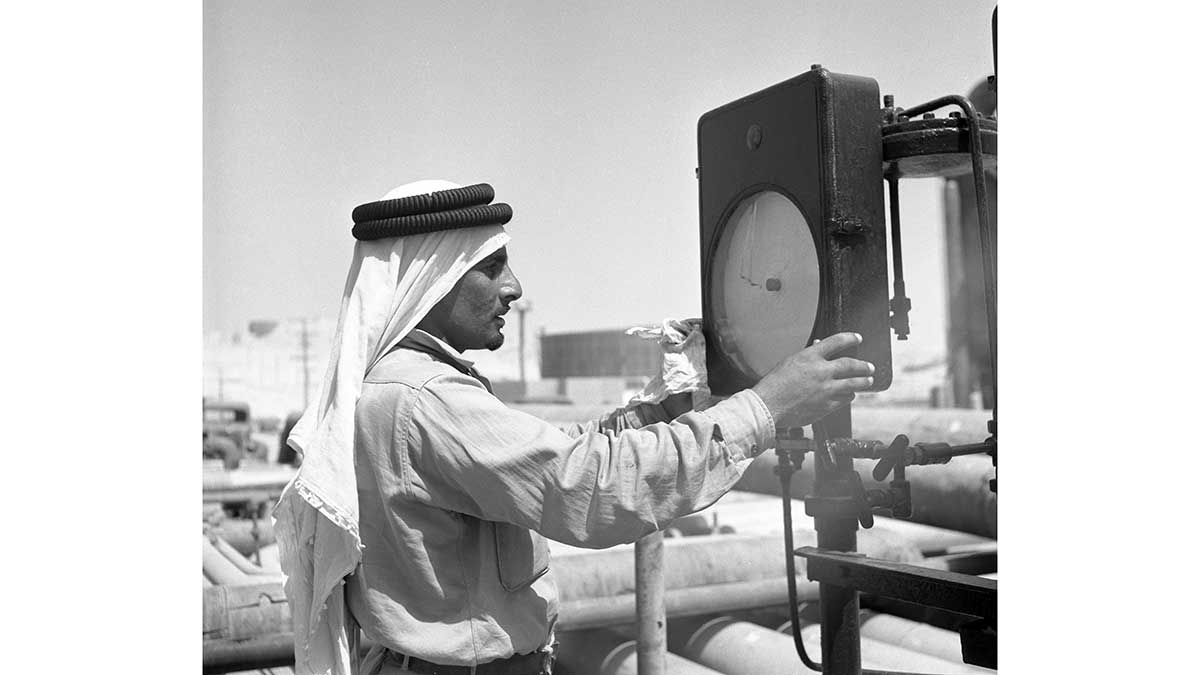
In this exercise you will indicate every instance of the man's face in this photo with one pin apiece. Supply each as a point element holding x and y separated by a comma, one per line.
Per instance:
<point>469,317</point>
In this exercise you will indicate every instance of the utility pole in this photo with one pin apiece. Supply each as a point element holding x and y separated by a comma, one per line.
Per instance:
<point>521,305</point>
<point>304,345</point>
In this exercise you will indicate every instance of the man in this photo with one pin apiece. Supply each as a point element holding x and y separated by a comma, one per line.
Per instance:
<point>422,501</point>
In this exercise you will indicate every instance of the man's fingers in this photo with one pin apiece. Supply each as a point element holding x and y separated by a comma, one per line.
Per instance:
<point>850,385</point>
<point>835,343</point>
<point>848,367</point>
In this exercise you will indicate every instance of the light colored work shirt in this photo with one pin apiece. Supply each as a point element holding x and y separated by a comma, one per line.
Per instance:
<point>456,492</point>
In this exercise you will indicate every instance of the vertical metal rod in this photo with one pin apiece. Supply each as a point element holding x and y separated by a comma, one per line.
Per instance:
<point>893,180</point>
<point>985,223</point>
<point>841,652</point>
<point>651,599</point>
<point>900,304</point>
<point>985,240</point>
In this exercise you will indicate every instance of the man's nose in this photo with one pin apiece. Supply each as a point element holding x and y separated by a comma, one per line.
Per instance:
<point>510,289</point>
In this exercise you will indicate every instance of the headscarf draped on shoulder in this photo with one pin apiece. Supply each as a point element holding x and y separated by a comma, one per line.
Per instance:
<point>413,246</point>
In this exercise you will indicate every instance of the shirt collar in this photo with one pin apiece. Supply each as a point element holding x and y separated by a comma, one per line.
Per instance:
<point>421,339</point>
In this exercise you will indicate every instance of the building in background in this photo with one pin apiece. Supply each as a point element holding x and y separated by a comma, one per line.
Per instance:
<point>274,365</point>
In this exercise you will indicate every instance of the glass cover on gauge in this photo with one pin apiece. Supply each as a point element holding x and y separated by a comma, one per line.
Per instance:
<point>765,283</point>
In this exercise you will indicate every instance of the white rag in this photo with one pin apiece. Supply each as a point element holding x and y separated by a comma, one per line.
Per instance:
<point>683,366</point>
<point>392,285</point>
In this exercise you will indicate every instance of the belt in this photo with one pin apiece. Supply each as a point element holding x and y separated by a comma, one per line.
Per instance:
<point>534,663</point>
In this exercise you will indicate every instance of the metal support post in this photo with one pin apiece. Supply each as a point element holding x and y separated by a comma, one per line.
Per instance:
<point>651,598</point>
<point>840,649</point>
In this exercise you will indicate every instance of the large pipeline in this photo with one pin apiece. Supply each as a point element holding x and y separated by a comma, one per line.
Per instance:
<point>243,534</point>
<point>703,560</point>
<point>750,513</point>
<point>913,635</point>
<point>245,611</point>
<point>702,576</point>
<point>742,648</point>
<point>602,652</point>
<point>955,496</point>
<point>219,569</point>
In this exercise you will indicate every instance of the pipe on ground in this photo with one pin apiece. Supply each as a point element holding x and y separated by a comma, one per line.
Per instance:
<point>244,535</point>
<point>683,602</point>
<point>703,576</point>
<point>955,496</point>
<point>741,648</point>
<point>602,652</point>
<point>245,612</point>
<point>703,560</point>
<point>920,637</point>
<point>241,562</point>
<point>220,569</point>
<point>264,651</point>
<point>758,514</point>
<point>894,630</point>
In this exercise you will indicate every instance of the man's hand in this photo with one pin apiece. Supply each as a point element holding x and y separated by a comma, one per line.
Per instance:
<point>807,385</point>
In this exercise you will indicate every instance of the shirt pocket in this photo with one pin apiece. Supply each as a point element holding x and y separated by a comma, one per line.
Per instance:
<point>522,556</point>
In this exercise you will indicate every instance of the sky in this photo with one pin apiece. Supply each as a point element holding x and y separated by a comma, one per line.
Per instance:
<point>581,115</point>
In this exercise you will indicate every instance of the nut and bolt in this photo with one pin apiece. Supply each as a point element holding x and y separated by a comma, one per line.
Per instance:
<point>955,114</point>
<point>927,116</point>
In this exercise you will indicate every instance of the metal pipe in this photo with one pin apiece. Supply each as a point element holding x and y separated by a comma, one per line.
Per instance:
<point>984,213</point>
<point>240,561</point>
<point>245,611</point>
<point>651,605</point>
<point>750,513</point>
<point>603,652</point>
<point>702,576</point>
<point>245,535</point>
<point>267,479</point>
<point>900,304</point>
<point>240,631</point>
<point>220,569</point>
<point>229,656</point>
<point>840,641</point>
<point>954,496</point>
<point>919,637</point>
<point>888,656</point>
<point>698,561</point>
<point>683,602</point>
<point>890,629</point>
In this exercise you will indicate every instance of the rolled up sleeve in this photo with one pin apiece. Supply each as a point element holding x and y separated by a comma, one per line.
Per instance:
<point>608,483</point>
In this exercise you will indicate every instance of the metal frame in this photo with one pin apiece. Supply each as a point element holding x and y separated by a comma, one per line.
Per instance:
<point>839,502</point>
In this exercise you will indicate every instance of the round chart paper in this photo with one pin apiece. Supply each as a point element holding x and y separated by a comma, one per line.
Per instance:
<point>765,284</point>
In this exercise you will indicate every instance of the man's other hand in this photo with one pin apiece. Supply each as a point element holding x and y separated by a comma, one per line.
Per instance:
<point>810,384</point>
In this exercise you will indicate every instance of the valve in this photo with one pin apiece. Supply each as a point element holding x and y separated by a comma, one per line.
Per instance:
<point>862,500</point>
<point>892,458</point>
